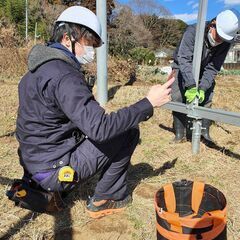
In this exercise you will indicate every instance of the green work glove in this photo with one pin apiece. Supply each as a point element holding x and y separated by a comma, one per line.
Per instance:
<point>201,96</point>
<point>190,94</point>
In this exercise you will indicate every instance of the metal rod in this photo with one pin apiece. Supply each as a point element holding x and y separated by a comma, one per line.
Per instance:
<point>102,93</point>
<point>197,55</point>
<point>26,20</point>
<point>35,34</point>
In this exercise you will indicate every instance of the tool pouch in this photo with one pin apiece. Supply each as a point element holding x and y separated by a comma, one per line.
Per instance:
<point>34,198</point>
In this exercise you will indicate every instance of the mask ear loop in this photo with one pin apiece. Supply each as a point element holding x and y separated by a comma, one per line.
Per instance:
<point>74,42</point>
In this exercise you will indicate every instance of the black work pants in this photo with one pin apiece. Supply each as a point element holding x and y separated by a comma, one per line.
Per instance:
<point>112,157</point>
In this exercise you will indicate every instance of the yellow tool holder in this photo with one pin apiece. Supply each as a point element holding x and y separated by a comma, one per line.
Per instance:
<point>66,174</point>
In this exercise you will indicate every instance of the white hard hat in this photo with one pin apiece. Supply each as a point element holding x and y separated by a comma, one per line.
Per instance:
<point>227,24</point>
<point>83,16</point>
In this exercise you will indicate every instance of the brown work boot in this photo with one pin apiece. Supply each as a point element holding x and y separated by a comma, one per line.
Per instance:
<point>98,209</point>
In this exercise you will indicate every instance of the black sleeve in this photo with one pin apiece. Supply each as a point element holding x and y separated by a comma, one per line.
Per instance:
<point>185,56</point>
<point>79,105</point>
<point>214,66</point>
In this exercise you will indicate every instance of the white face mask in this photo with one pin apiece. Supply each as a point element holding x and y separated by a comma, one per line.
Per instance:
<point>88,56</point>
<point>211,40</point>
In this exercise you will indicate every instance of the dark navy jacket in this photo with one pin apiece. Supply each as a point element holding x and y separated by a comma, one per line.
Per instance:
<point>54,102</point>
<point>212,59</point>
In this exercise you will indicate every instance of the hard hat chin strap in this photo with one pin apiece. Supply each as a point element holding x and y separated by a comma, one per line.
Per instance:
<point>72,38</point>
<point>73,42</point>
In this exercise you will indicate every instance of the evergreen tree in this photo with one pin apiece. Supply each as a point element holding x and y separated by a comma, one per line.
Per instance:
<point>8,8</point>
<point>18,11</point>
<point>2,6</point>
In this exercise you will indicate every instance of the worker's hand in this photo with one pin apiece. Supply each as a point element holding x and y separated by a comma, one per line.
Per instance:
<point>201,96</point>
<point>190,94</point>
<point>158,95</point>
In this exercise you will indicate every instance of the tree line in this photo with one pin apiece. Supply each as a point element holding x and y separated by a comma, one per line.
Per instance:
<point>135,30</point>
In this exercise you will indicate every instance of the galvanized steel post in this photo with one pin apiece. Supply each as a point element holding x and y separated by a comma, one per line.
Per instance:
<point>197,123</point>
<point>26,20</point>
<point>102,91</point>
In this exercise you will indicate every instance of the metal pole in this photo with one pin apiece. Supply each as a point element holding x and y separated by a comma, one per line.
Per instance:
<point>26,14</point>
<point>197,123</point>
<point>35,34</point>
<point>102,90</point>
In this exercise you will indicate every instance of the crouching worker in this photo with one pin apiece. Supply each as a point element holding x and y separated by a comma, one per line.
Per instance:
<point>64,135</point>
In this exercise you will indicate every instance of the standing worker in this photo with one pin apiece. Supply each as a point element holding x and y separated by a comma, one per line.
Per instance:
<point>64,135</point>
<point>219,34</point>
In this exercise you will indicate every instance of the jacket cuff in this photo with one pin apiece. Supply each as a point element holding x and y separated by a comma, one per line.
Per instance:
<point>146,109</point>
<point>202,88</point>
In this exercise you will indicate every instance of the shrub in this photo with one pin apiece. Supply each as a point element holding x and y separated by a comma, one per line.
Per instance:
<point>143,56</point>
<point>229,72</point>
<point>119,70</point>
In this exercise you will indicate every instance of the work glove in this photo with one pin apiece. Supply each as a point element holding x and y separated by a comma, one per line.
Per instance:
<point>201,96</point>
<point>191,93</point>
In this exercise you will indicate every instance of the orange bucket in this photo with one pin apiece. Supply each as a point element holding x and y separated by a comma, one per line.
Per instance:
<point>187,210</point>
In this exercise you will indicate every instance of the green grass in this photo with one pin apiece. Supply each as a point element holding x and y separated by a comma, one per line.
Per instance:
<point>229,72</point>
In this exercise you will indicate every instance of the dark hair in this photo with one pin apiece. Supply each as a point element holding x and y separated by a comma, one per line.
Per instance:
<point>212,23</point>
<point>76,31</point>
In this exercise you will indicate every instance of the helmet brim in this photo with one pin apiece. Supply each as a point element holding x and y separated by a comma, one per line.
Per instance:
<point>223,36</point>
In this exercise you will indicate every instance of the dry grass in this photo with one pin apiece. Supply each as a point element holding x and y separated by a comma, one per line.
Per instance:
<point>154,163</point>
<point>13,64</point>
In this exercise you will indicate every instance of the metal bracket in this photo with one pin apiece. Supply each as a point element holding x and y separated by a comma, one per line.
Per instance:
<point>192,112</point>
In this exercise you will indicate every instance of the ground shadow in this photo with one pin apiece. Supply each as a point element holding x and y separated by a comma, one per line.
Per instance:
<point>223,150</point>
<point>113,90</point>
<point>131,80</point>
<point>15,228</point>
<point>211,145</point>
<point>166,128</point>
<point>60,217</point>
<point>138,172</point>
<point>223,128</point>
<point>66,232</point>
<point>63,216</point>
<point>5,181</point>
<point>9,134</point>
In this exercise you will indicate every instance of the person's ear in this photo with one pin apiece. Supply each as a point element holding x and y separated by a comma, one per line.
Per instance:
<point>214,22</point>
<point>212,28</point>
<point>66,40</point>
